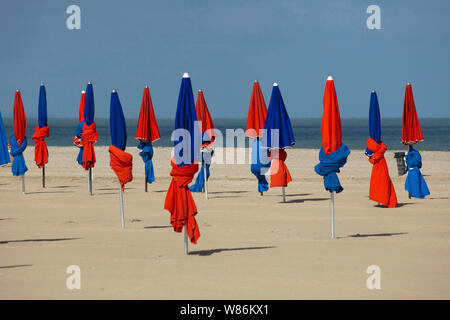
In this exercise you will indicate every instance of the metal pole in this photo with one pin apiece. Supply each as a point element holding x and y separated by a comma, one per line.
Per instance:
<point>332,214</point>
<point>43,176</point>
<point>23,184</point>
<point>186,251</point>
<point>284,194</point>
<point>90,181</point>
<point>146,188</point>
<point>121,206</point>
<point>206,182</point>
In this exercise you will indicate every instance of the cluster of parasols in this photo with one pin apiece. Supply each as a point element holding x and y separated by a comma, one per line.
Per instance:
<point>268,149</point>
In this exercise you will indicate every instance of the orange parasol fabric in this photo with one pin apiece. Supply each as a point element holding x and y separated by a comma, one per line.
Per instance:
<point>122,164</point>
<point>40,149</point>
<point>147,127</point>
<point>88,138</point>
<point>179,201</point>
<point>257,112</point>
<point>81,110</point>
<point>411,132</point>
<point>279,173</point>
<point>19,119</point>
<point>203,115</point>
<point>381,187</point>
<point>331,121</point>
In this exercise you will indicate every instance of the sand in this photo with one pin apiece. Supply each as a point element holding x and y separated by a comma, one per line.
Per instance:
<point>251,247</point>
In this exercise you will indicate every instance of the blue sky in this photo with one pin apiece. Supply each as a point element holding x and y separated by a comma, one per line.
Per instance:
<point>225,46</point>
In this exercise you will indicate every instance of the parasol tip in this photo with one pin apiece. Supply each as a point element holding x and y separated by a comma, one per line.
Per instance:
<point>199,90</point>
<point>17,90</point>
<point>146,87</point>
<point>408,84</point>
<point>275,84</point>
<point>42,84</point>
<point>186,75</point>
<point>330,78</point>
<point>256,81</point>
<point>89,82</point>
<point>82,91</point>
<point>113,90</point>
<point>373,91</point>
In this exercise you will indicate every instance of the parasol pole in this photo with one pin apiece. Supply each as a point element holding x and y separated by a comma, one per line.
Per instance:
<point>206,181</point>
<point>284,194</point>
<point>121,206</point>
<point>90,181</point>
<point>332,213</point>
<point>145,181</point>
<point>23,183</point>
<point>186,250</point>
<point>43,176</point>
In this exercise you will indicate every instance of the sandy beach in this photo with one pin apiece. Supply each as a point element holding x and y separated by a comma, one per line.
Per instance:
<point>251,247</point>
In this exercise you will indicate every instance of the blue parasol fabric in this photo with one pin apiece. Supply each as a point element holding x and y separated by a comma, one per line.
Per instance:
<point>89,108</point>
<point>121,162</point>
<point>18,167</point>
<point>329,167</point>
<point>78,133</point>
<point>415,183</point>
<point>374,120</point>
<point>147,156</point>
<point>200,181</point>
<point>277,119</point>
<point>260,165</point>
<point>4,154</point>
<point>117,123</point>
<point>185,119</point>
<point>42,107</point>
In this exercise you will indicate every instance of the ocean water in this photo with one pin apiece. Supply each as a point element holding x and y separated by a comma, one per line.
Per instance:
<point>355,132</point>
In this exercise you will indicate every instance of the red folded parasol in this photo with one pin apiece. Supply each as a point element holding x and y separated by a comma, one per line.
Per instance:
<point>20,121</point>
<point>203,115</point>
<point>411,132</point>
<point>257,112</point>
<point>147,128</point>
<point>81,110</point>
<point>331,120</point>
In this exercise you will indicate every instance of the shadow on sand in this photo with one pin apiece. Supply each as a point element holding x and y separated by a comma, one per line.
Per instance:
<point>210,252</point>
<point>39,240</point>
<point>304,200</point>
<point>222,192</point>
<point>37,192</point>
<point>374,235</point>
<point>157,227</point>
<point>16,266</point>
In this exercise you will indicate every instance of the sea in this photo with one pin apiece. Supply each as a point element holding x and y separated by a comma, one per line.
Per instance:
<point>436,132</point>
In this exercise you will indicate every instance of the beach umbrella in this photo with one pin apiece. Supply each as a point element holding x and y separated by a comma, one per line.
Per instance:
<point>147,132</point>
<point>256,117</point>
<point>18,140</point>
<point>4,154</point>
<point>411,134</point>
<point>179,201</point>
<point>333,153</point>
<point>89,134</point>
<point>277,136</point>
<point>121,162</point>
<point>208,136</point>
<point>381,187</point>
<point>79,130</point>
<point>41,132</point>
